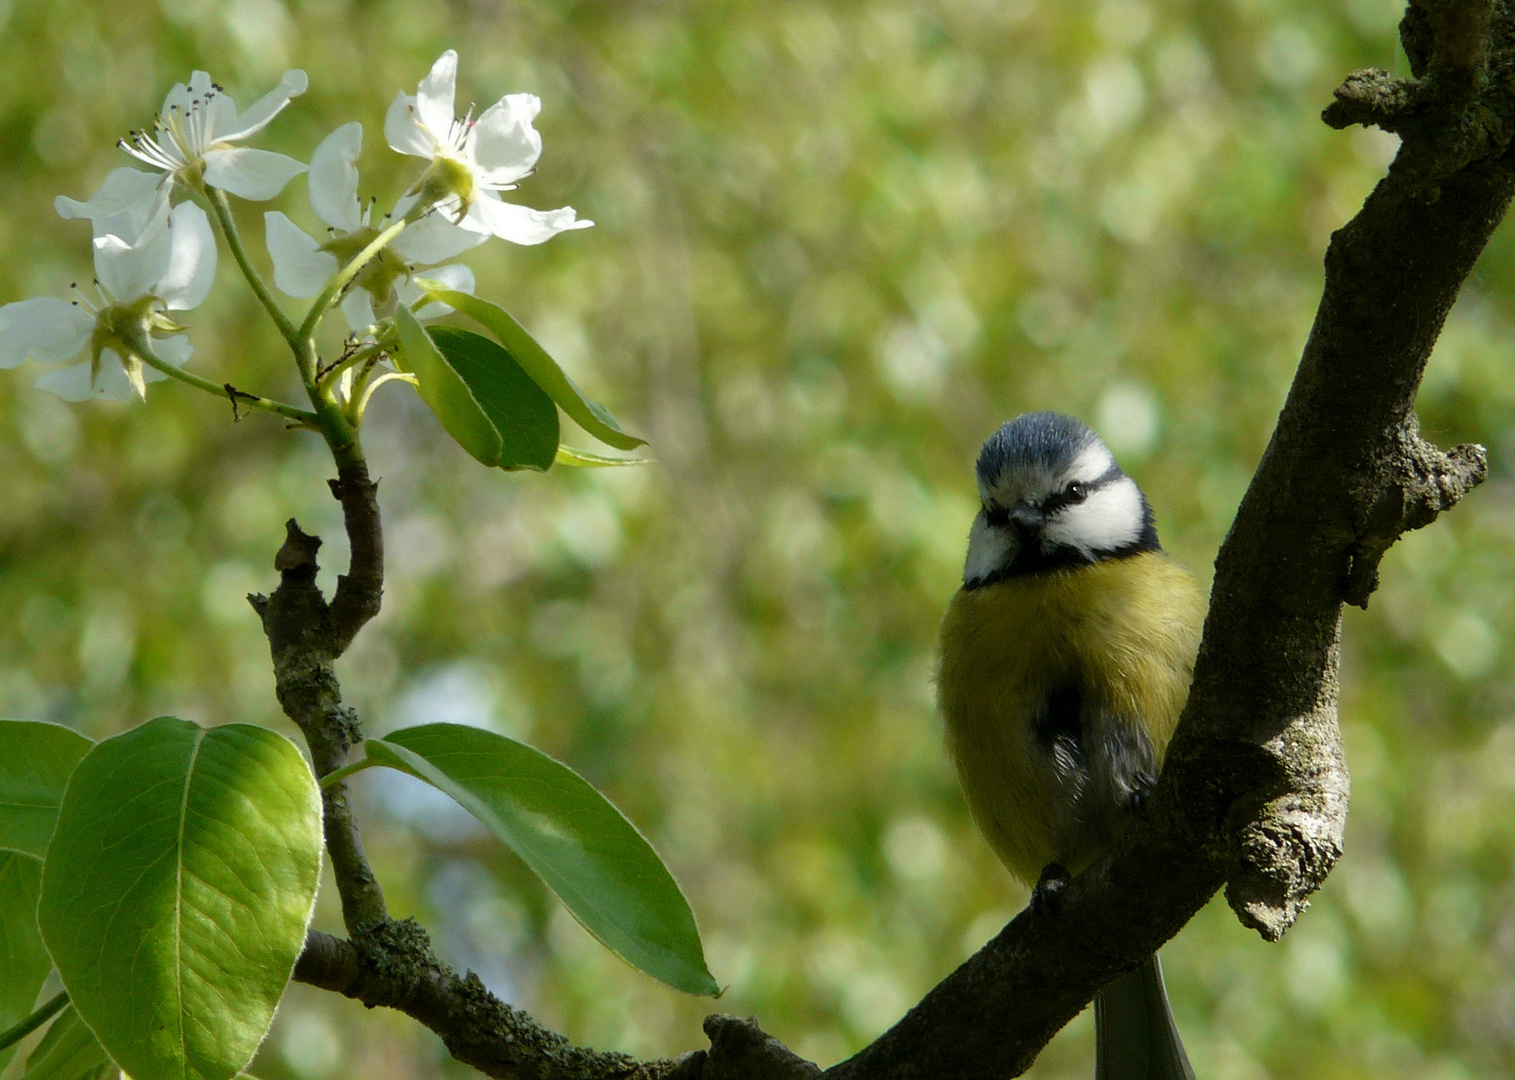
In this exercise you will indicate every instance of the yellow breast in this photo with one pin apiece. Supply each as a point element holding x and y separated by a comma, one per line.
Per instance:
<point>1125,631</point>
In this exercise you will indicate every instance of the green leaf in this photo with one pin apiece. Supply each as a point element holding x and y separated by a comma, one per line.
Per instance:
<point>68,1051</point>
<point>589,415</point>
<point>583,459</point>
<point>24,962</point>
<point>444,392</point>
<point>177,890</point>
<point>602,869</point>
<point>524,416</point>
<point>35,762</point>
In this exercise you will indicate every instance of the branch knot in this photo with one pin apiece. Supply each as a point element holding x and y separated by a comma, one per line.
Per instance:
<point>1423,482</point>
<point>741,1050</point>
<point>1457,108</point>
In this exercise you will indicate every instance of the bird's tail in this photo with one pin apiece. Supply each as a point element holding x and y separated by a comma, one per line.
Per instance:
<point>1134,1034</point>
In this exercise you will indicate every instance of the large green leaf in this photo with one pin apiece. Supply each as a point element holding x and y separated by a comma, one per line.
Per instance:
<point>177,890</point>
<point>35,763</point>
<point>68,1051</point>
<point>524,416</point>
<point>24,963</point>
<point>443,391</point>
<point>602,869</point>
<point>589,415</point>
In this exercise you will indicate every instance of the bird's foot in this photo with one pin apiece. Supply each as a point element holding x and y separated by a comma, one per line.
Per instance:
<point>1047,897</point>
<point>1140,794</point>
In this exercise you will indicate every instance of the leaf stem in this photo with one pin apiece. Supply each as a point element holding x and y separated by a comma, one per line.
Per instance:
<point>343,277</point>
<point>356,411</point>
<point>228,227</point>
<point>291,412</point>
<point>336,776</point>
<point>11,1036</point>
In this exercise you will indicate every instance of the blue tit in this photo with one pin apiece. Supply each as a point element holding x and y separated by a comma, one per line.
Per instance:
<point>1065,660</point>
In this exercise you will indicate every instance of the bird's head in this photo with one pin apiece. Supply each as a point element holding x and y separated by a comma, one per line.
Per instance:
<point>1052,497</point>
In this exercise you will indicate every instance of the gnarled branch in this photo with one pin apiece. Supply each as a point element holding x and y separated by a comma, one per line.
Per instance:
<point>1254,791</point>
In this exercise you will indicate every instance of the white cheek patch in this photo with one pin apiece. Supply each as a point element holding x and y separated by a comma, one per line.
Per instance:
<point>989,550</point>
<point>1111,518</point>
<point>1093,461</point>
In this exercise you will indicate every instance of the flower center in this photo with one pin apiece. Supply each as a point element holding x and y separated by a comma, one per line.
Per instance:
<point>445,179</point>
<point>380,273</point>
<point>178,139</point>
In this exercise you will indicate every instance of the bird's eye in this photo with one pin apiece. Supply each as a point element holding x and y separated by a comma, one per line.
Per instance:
<point>1077,492</point>
<point>997,516</point>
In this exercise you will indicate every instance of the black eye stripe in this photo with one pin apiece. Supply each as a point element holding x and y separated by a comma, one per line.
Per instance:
<point>1064,498</point>
<point>999,516</point>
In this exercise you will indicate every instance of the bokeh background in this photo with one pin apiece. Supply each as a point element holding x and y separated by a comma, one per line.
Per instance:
<point>837,243</point>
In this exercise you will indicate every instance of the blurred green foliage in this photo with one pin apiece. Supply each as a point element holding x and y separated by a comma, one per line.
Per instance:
<point>837,243</point>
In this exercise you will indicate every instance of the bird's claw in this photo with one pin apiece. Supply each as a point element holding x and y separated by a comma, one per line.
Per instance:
<point>1047,897</point>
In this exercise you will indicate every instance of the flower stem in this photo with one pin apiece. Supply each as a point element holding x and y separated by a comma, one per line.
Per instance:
<point>368,352</point>
<point>343,277</point>
<point>233,240</point>
<point>11,1036</point>
<point>291,412</point>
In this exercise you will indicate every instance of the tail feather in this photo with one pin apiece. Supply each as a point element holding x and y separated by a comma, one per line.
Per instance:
<point>1134,1034</point>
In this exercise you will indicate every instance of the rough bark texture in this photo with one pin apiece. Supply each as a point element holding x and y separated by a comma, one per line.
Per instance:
<point>1254,792</point>
<point>393,965</point>
<point>306,635</point>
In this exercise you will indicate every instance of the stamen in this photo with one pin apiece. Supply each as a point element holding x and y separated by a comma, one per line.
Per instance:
<point>82,300</point>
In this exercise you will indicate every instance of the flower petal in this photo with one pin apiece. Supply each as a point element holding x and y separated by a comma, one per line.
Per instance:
<point>73,383</point>
<point>192,260</point>
<point>333,178</point>
<point>131,203</point>
<point>45,329</point>
<point>357,308</point>
<point>127,271</point>
<point>519,224</point>
<point>403,130</point>
<point>434,238</point>
<point>457,277</point>
<point>220,115</point>
<point>175,350</point>
<point>502,143</point>
<point>434,97</point>
<point>250,174</point>
<point>180,95</point>
<point>301,268</point>
<point>257,116</point>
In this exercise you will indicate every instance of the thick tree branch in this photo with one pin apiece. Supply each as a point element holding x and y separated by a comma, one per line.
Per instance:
<point>1254,791</point>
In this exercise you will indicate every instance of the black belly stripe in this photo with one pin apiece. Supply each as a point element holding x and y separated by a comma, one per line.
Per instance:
<point>1059,720</point>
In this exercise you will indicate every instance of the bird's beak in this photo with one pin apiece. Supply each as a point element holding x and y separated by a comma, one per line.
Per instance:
<point>1026,519</point>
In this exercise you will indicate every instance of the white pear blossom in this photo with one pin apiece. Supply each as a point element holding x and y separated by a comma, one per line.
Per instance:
<point>137,284</point>
<point>303,266</point>
<point>472,160</point>
<point>191,142</point>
